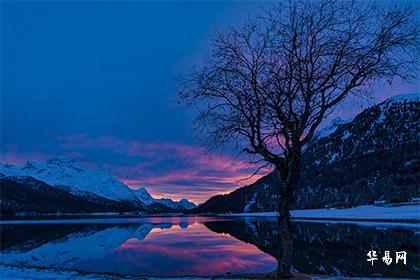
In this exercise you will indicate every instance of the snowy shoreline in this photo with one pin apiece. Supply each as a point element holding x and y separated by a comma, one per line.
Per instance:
<point>400,213</point>
<point>18,273</point>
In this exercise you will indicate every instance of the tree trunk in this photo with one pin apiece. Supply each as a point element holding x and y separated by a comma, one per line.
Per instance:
<point>288,181</point>
<point>285,250</point>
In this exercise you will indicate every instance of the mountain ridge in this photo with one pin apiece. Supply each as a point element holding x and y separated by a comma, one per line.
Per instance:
<point>370,158</point>
<point>66,175</point>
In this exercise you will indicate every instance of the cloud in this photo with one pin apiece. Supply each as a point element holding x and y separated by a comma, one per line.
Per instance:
<point>10,153</point>
<point>167,169</point>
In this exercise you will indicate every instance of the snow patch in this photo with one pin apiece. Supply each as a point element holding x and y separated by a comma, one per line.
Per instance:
<point>366,212</point>
<point>331,127</point>
<point>18,273</point>
<point>251,202</point>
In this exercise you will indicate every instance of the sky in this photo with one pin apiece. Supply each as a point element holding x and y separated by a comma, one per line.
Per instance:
<point>97,81</point>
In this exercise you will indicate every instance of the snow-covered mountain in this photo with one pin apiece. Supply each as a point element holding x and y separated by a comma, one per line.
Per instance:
<point>26,195</point>
<point>379,127</point>
<point>144,196</point>
<point>68,251</point>
<point>330,128</point>
<point>180,205</point>
<point>65,174</point>
<point>373,157</point>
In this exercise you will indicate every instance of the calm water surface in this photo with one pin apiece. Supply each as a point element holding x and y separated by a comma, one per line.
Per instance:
<point>175,246</point>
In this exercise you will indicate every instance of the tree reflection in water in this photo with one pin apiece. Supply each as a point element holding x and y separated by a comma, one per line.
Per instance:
<point>140,247</point>
<point>332,248</point>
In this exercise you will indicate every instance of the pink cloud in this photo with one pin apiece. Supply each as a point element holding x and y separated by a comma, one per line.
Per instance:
<point>12,155</point>
<point>170,169</point>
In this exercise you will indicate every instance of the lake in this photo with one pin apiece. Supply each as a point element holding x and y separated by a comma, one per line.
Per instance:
<point>192,245</point>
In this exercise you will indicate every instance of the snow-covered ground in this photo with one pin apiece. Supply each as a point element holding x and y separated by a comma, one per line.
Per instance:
<point>15,273</point>
<point>19,273</point>
<point>363,213</point>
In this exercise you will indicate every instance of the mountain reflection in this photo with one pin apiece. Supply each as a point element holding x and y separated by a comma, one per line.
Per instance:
<point>168,248</point>
<point>332,248</point>
<point>173,246</point>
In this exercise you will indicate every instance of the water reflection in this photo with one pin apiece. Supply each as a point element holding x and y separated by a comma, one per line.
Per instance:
<point>195,252</point>
<point>162,248</point>
<point>205,246</point>
<point>334,248</point>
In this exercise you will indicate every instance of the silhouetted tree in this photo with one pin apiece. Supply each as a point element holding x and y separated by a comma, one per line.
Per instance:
<point>269,84</point>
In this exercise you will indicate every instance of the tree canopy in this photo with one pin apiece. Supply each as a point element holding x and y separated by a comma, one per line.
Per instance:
<point>269,83</point>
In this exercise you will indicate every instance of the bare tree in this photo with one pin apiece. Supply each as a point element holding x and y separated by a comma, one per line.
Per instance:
<point>269,84</point>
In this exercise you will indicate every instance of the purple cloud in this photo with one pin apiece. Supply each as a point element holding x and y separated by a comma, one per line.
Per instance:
<point>169,169</point>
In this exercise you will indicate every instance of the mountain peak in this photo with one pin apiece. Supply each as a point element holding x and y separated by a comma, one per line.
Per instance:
<point>29,165</point>
<point>66,174</point>
<point>143,195</point>
<point>181,204</point>
<point>186,203</point>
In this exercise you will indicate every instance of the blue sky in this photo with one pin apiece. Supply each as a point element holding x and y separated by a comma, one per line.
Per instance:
<point>97,81</point>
